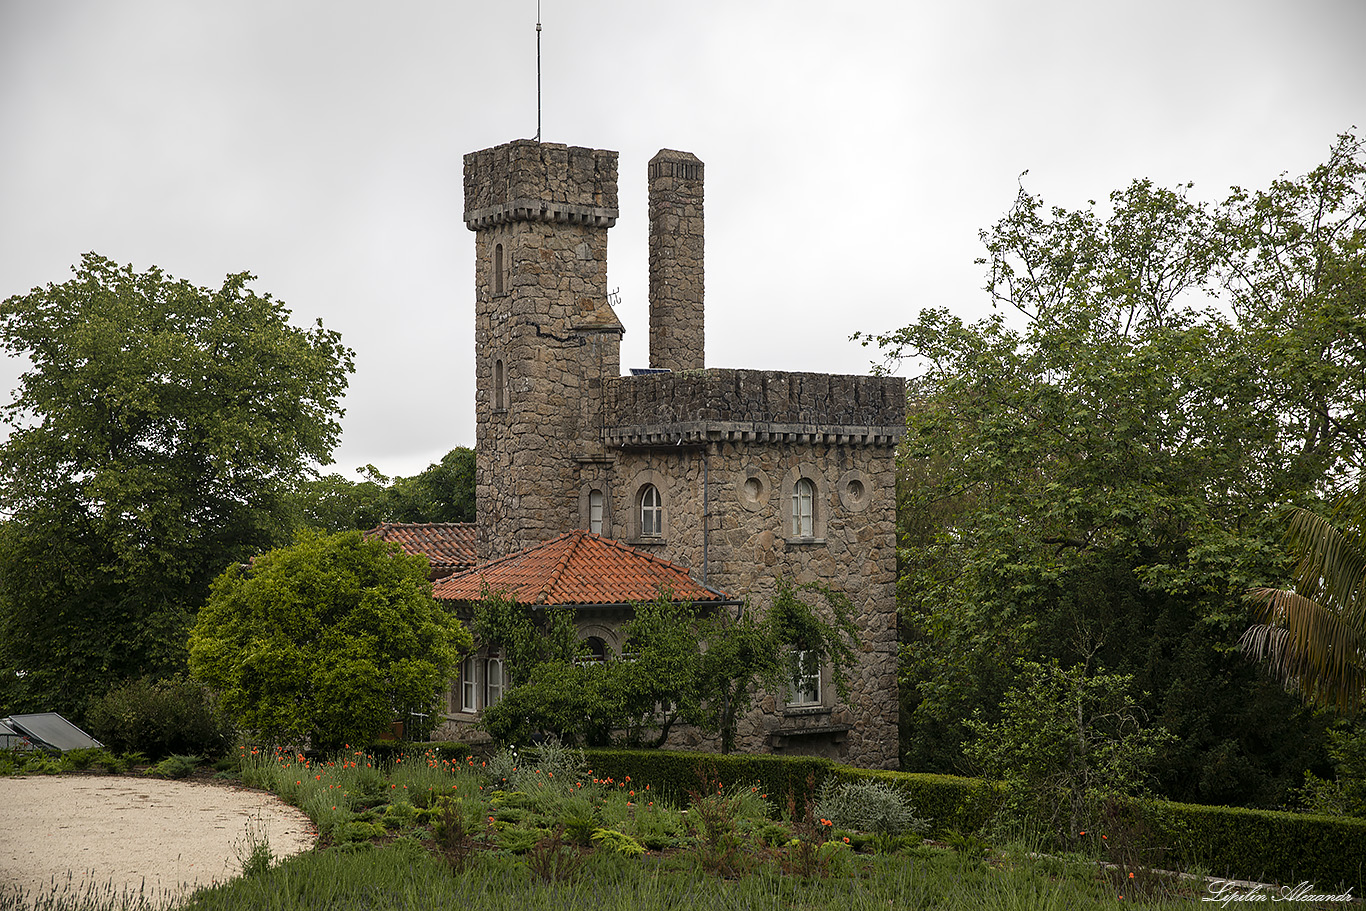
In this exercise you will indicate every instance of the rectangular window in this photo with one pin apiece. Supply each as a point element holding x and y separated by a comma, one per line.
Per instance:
<point>806,685</point>
<point>468,688</point>
<point>493,681</point>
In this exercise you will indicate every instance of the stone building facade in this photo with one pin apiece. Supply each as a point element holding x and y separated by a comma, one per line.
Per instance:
<point>742,476</point>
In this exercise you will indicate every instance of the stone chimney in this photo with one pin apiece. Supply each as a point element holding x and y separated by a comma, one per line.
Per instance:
<point>676,285</point>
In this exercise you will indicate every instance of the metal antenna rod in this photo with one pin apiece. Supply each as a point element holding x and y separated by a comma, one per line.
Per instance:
<point>538,70</point>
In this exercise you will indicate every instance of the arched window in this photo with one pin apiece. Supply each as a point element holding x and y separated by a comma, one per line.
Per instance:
<point>651,512</point>
<point>595,506</point>
<point>498,269</point>
<point>597,650</point>
<point>493,681</point>
<point>803,505</point>
<point>499,397</point>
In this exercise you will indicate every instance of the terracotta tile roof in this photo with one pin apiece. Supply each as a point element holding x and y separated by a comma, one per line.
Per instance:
<point>449,546</point>
<point>578,569</point>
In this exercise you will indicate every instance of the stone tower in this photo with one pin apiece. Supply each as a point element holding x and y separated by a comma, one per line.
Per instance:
<point>545,335</point>
<point>676,271</point>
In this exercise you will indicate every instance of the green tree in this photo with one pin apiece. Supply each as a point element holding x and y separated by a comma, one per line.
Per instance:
<point>153,440</point>
<point>1066,741</point>
<point>1095,475</point>
<point>327,641</point>
<point>331,503</point>
<point>1345,793</point>
<point>444,492</point>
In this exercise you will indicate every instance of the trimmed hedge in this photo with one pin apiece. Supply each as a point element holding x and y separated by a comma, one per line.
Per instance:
<point>1260,845</point>
<point>675,773</point>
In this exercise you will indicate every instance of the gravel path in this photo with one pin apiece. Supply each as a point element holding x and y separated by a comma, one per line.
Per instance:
<point>166,837</point>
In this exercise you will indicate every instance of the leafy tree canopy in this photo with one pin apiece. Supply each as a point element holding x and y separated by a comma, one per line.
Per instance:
<point>1095,475</point>
<point>444,492</point>
<point>327,641</point>
<point>152,442</point>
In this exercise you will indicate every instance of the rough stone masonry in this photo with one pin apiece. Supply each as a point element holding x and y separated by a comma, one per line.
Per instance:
<point>742,476</point>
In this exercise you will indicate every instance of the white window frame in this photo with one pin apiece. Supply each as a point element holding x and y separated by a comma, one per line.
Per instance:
<point>495,683</point>
<point>596,508</point>
<point>469,686</point>
<point>804,508</point>
<point>805,691</point>
<point>651,514</point>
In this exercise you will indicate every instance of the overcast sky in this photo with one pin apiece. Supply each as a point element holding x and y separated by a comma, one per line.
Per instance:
<point>853,152</point>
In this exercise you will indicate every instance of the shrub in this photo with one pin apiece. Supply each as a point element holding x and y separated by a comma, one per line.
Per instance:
<point>175,767</point>
<point>161,718</point>
<point>617,843</point>
<point>950,803</point>
<point>868,806</point>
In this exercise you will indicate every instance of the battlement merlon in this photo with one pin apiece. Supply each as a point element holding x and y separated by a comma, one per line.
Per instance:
<point>756,406</point>
<point>525,180</point>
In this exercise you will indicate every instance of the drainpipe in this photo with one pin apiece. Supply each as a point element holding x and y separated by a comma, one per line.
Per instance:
<point>706,509</point>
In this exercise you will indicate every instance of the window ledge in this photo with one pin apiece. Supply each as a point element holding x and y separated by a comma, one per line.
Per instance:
<point>800,542</point>
<point>645,542</point>
<point>805,711</point>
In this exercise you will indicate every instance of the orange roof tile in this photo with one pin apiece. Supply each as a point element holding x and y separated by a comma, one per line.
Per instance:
<point>448,546</point>
<point>578,568</point>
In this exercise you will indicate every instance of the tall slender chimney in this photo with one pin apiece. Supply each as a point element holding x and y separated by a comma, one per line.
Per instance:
<point>677,335</point>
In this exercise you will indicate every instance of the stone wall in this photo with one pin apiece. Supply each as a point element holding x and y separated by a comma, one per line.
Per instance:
<point>728,517</point>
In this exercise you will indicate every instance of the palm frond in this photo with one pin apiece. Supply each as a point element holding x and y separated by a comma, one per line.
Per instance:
<point>1331,565</point>
<point>1311,647</point>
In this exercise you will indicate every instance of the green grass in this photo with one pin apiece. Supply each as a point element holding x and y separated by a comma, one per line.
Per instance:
<point>406,876</point>
<point>528,842</point>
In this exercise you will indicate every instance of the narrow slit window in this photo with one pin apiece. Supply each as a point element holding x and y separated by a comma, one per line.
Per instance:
<point>499,396</point>
<point>595,507</point>
<point>498,269</point>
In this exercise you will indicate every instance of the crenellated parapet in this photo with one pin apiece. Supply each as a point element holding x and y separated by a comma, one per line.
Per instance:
<point>527,180</point>
<point>759,406</point>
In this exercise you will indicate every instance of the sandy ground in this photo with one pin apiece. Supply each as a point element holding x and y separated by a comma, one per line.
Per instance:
<point>134,833</point>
